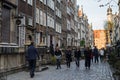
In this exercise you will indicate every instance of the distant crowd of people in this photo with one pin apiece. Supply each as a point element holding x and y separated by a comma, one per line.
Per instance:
<point>90,55</point>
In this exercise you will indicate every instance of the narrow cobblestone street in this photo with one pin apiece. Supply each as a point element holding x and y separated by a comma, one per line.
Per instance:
<point>98,71</point>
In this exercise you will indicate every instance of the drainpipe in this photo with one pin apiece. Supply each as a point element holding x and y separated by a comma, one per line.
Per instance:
<point>55,22</point>
<point>17,30</point>
<point>46,26</point>
<point>34,23</point>
<point>0,19</point>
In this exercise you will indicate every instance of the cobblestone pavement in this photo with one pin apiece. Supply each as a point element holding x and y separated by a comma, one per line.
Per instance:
<point>98,71</point>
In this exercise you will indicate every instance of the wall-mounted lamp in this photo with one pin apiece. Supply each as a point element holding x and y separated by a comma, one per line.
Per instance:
<point>18,19</point>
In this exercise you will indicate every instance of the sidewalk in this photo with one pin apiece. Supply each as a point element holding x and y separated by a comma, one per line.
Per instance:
<point>98,71</point>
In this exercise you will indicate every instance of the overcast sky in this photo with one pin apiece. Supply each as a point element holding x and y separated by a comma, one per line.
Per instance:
<point>97,15</point>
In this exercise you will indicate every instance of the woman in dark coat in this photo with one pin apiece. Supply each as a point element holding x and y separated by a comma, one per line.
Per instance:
<point>68,55</point>
<point>58,56</point>
<point>87,54</point>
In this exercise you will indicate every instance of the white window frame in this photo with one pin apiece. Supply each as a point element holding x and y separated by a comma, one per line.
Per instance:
<point>44,18</point>
<point>40,17</point>
<point>30,21</point>
<point>30,2</point>
<point>48,20</point>
<point>58,28</point>
<point>51,3</point>
<point>23,21</point>
<point>44,1</point>
<point>37,15</point>
<point>41,0</point>
<point>21,36</point>
<point>59,1</point>
<point>37,38</point>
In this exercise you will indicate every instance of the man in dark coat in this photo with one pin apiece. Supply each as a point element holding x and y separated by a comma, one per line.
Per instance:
<point>96,54</point>
<point>31,57</point>
<point>52,50</point>
<point>77,55</point>
<point>87,55</point>
<point>68,55</point>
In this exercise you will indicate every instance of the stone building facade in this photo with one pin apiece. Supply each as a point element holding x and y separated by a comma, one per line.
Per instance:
<point>100,38</point>
<point>83,27</point>
<point>44,22</point>
<point>9,56</point>
<point>116,28</point>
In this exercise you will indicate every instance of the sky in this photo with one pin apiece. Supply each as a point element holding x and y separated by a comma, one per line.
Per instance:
<point>97,15</point>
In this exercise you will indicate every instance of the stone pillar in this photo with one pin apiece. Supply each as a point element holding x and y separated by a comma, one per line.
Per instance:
<point>12,27</point>
<point>1,62</point>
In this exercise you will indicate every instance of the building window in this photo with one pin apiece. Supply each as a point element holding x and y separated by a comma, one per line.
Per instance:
<point>37,38</point>
<point>41,0</point>
<point>59,1</point>
<point>58,12</point>
<point>44,18</point>
<point>68,24</point>
<point>24,0</point>
<point>58,28</point>
<point>30,2</point>
<point>30,22</point>
<point>50,22</point>
<point>44,1</point>
<point>51,4</point>
<point>41,17</point>
<point>21,36</point>
<point>37,15</point>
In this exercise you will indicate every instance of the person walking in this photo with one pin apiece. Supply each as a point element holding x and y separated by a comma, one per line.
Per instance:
<point>51,50</point>
<point>68,55</point>
<point>101,54</point>
<point>31,57</point>
<point>58,56</point>
<point>87,55</point>
<point>77,55</point>
<point>91,55</point>
<point>96,54</point>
